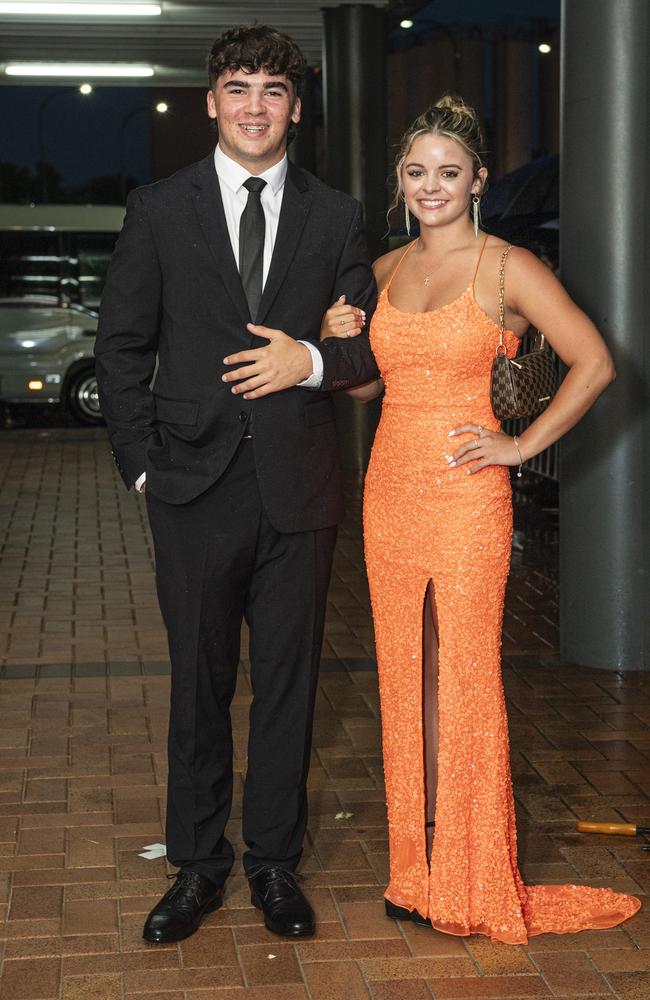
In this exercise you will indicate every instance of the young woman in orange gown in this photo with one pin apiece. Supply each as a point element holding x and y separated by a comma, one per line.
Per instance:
<point>438,529</point>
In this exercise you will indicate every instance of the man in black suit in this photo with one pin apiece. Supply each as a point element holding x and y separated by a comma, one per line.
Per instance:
<point>235,445</point>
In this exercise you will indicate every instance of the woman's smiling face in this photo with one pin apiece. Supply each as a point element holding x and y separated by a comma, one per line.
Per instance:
<point>438,180</point>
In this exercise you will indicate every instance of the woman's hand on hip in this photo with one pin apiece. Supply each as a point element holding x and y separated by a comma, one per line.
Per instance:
<point>486,448</point>
<point>342,320</point>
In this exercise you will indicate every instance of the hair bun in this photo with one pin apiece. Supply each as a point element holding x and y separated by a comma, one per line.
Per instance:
<point>450,102</point>
<point>449,117</point>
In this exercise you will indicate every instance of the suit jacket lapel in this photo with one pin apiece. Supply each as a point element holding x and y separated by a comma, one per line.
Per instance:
<point>296,202</point>
<point>209,209</point>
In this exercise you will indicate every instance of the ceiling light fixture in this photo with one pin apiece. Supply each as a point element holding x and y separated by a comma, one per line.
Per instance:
<point>81,9</point>
<point>85,89</point>
<point>162,107</point>
<point>544,48</point>
<point>86,70</point>
<point>406,23</point>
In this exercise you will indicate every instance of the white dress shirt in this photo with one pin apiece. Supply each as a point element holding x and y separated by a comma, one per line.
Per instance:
<point>234,197</point>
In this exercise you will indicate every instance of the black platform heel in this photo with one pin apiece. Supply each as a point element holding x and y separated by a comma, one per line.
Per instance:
<point>401,913</point>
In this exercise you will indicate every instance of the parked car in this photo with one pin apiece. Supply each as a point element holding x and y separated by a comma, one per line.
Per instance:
<point>53,262</point>
<point>46,355</point>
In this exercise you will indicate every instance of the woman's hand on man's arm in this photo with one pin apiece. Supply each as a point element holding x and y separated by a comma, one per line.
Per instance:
<point>344,320</point>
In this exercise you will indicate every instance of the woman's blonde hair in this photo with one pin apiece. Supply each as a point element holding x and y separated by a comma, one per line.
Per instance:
<point>454,119</point>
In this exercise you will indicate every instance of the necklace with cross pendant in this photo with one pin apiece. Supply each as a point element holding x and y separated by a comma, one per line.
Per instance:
<point>426,277</point>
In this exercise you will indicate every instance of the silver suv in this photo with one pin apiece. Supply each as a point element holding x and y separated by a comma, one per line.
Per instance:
<point>53,261</point>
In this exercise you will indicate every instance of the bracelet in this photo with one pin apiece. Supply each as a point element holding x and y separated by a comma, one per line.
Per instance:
<point>515,440</point>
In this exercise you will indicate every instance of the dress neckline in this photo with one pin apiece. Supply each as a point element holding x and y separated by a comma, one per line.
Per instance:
<point>447,305</point>
<point>426,312</point>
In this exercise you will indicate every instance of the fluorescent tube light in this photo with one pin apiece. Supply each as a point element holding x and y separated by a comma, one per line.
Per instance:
<point>86,70</point>
<point>81,9</point>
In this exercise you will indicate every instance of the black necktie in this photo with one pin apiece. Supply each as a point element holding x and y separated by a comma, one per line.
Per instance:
<point>251,244</point>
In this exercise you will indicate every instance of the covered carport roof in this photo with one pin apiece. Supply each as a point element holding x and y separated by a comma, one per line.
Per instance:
<point>174,43</point>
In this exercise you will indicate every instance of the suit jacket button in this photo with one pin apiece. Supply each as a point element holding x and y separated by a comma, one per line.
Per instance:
<point>243,416</point>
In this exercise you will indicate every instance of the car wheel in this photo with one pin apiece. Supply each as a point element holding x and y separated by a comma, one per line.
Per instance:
<point>82,397</point>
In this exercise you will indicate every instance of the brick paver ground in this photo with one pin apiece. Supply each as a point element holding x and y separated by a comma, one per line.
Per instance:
<point>83,703</point>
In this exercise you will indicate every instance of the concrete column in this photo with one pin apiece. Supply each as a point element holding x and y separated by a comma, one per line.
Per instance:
<point>303,148</point>
<point>355,109</point>
<point>355,131</point>
<point>605,262</point>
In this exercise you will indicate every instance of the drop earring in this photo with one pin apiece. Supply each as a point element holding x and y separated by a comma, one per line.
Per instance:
<point>476,203</point>
<point>407,216</point>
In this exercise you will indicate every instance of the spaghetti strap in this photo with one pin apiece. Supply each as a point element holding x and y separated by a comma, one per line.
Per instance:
<point>399,264</point>
<point>478,263</point>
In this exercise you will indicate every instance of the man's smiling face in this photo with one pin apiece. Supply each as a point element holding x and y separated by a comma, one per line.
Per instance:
<point>253,112</point>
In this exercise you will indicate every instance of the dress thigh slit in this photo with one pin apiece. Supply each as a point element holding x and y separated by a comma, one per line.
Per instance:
<point>430,712</point>
<point>400,626</point>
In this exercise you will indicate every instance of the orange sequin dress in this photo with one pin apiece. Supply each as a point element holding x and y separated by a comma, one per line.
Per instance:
<point>425,521</point>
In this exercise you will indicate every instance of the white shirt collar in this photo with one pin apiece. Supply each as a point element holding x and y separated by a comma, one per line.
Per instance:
<point>233,174</point>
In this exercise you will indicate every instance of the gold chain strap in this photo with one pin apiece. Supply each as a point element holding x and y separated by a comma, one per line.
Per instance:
<point>502,298</point>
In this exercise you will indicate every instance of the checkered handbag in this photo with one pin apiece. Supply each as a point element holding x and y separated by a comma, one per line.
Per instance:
<point>524,386</point>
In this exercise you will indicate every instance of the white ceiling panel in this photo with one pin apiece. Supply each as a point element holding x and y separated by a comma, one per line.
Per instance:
<point>175,43</point>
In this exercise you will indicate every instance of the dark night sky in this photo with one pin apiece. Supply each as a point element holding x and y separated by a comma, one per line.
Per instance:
<point>81,133</point>
<point>485,12</point>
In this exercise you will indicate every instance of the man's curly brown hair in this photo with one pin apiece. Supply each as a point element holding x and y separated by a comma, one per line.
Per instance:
<point>255,47</point>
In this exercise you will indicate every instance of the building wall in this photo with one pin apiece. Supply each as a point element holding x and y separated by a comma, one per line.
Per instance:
<point>182,135</point>
<point>514,88</point>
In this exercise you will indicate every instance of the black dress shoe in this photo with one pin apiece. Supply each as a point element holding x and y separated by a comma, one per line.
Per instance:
<point>275,893</point>
<point>180,911</point>
<point>401,913</point>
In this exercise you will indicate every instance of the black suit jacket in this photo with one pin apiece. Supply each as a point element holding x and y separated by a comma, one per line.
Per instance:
<point>173,295</point>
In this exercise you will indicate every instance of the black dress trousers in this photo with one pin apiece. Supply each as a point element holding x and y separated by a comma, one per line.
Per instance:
<point>218,561</point>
